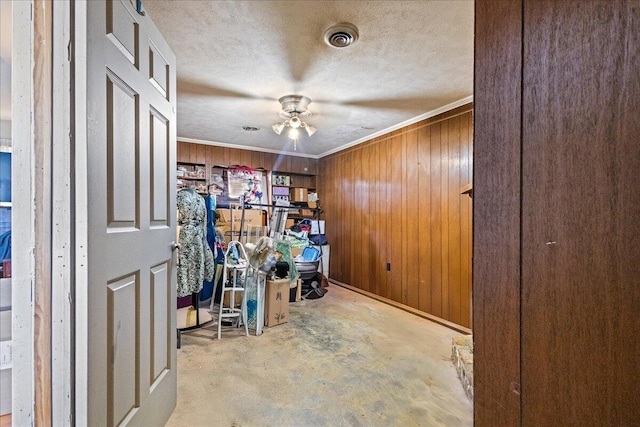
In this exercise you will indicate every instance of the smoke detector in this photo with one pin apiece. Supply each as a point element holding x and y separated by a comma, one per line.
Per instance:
<point>341,35</point>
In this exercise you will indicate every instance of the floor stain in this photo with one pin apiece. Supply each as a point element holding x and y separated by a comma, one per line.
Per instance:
<point>341,360</point>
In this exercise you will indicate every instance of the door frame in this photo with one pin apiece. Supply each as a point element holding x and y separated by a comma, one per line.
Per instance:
<point>42,216</point>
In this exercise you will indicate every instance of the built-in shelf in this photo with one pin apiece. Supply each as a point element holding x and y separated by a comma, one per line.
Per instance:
<point>193,176</point>
<point>467,189</point>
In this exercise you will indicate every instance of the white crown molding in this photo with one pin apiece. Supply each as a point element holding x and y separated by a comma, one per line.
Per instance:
<point>244,147</point>
<point>416,119</point>
<point>426,115</point>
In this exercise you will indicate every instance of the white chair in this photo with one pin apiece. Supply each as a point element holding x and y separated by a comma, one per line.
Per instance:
<point>233,278</point>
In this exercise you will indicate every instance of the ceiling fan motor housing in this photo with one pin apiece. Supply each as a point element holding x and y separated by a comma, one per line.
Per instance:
<point>295,105</point>
<point>341,35</point>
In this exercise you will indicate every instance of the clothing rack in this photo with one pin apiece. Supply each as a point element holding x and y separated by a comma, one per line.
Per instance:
<point>195,300</point>
<point>243,205</point>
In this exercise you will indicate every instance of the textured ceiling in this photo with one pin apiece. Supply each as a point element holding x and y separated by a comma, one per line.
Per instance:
<point>236,58</point>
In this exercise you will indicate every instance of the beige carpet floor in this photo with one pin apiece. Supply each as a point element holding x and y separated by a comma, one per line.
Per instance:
<point>342,360</point>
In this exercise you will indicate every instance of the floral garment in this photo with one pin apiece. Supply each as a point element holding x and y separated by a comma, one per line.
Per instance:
<point>195,263</point>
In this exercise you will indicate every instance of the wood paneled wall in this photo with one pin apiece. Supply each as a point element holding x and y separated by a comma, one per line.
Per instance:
<point>213,155</point>
<point>556,208</point>
<point>496,215</point>
<point>395,201</point>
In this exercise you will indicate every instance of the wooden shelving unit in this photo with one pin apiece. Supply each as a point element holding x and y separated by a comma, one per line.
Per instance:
<point>192,175</point>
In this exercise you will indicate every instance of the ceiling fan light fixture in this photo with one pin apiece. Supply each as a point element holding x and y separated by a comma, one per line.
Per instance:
<point>293,133</point>
<point>295,122</point>
<point>294,104</point>
<point>277,128</point>
<point>294,109</point>
<point>310,130</point>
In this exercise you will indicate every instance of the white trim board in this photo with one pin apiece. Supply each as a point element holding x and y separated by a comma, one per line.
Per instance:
<point>428,115</point>
<point>23,259</point>
<point>411,121</point>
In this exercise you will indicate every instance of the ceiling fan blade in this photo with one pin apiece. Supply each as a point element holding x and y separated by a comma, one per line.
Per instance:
<point>418,103</point>
<point>293,23</point>
<point>194,88</point>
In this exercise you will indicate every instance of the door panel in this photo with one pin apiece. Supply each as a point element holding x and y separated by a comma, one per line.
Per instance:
<point>122,29</point>
<point>158,70</point>
<point>124,355</point>
<point>130,344</point>
<point>159,144</point>
<point>160,321</point>
<point>122,146</point>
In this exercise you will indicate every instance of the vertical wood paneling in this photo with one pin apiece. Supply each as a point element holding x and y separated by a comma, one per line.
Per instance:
<point>201,155</point>
<point>184,153</point>
<point>219,156</point>
<point>395,198</point>
<point>256,160</point>
<point>356,214</point>
<point>435,220</point>
<point>496,213</point>
<point>404,220</point>
<point>235,157</point>
<point>377,242</point>
<point>412,194</point>
<point>245,157</point>
<point>269,160</point>
<point>283,162</point>
<point>390,199</point>
<point>193,153</point>
<point>445,140</point>
<point>454,287</point>
<point>336,206</point>
<point>424,229</point>
<point>382,223</point>
<point>365,214</point>
<point>347,230</point>
<point>466,223</point>
<point>580,228</point>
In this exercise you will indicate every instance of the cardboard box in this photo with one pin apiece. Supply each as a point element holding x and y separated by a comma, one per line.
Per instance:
<point>276,310</point>
<point>298,194</point>
<point>251,217</point>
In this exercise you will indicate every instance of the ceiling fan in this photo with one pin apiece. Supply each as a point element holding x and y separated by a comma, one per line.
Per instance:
<point>294,109</point>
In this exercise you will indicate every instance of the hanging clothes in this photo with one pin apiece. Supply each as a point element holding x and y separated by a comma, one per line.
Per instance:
<point>195,264</point>
<point>210,203</point>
